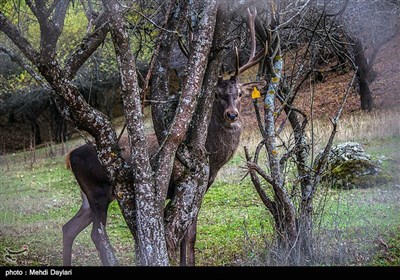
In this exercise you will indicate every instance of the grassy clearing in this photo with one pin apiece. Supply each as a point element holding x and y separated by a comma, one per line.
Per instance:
<point>234,227</point>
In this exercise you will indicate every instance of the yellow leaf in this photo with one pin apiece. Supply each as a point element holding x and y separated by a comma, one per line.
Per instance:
<point>271,91</point>
<point>119,194</point>
<point>275,79</point>
<point>256,93</point>
<point>113,154</point>
<point>274,152</point>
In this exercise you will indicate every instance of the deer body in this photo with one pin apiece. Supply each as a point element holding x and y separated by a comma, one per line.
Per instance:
<point>225,128</point>
<point>222,141</point>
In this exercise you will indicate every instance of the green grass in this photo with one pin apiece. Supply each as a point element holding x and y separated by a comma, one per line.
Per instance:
<point>389,253</point>
<point>231,215</point>
<point>234,227</point>
<point>351,222</point>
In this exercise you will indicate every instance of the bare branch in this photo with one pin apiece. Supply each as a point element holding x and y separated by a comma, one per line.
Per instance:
<point>255,167</point>
<point>322,160</point>
<point>88,45</point>
<point>89,10</point>
<point>287,22</point>
<point>26,66</point>
<point>60,10</point>
<point>21,42</point>
<point>150,20</point>
<point>268,202</point>
<point>191,90</point>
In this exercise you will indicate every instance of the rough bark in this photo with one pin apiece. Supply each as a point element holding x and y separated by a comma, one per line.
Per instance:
<point>189,98</point>
<point>286,213</point>
<point>149,227</point>
<point>281,206</point>
<point>307,186</point>
<point>185,204</point>
<point>163,102</point>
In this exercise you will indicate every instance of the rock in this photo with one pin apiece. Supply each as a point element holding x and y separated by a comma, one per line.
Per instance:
<point>349,166</point>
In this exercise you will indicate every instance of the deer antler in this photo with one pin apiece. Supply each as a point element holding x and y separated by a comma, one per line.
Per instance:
<point>254,58</point>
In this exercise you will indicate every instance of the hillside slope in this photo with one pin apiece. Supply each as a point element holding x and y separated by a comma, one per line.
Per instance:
<point>386,86</point>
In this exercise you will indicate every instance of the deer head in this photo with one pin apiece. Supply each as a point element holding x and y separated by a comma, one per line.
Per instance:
<point>230,91</point>
<point>227,99</point>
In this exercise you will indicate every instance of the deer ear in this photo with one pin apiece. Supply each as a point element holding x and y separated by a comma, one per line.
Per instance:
<point>247,88</point>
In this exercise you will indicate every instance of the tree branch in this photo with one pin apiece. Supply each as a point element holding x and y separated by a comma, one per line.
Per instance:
<point>89,44</point>
<point>320,164</point>
<point>26,66</point>
<point>190,93</point>
<point>269,203</point>
<point>23,44</point>
<point>149,231</point>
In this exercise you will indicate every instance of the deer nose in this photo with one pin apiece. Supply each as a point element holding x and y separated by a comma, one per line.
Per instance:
<point>231,115</point>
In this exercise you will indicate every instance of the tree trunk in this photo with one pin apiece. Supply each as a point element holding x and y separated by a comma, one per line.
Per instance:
<point>150,243</point>
<point>58,124</point>
<point>364,73</point>
<point>285,216</point>
<point>304,222</point>
<point>162,110</point>
<point>68,98</point>
<point>35,128</point>
<point>365,94</point>
<point>188,193</point>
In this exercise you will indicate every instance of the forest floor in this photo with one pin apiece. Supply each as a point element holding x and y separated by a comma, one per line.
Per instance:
<point>352,227</point>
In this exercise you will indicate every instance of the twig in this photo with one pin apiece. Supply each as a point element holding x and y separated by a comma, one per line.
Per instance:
<point>321,162</point>
<point>150,20</point>
<point>268,202</point>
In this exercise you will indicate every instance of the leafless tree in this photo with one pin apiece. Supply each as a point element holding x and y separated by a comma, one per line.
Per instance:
<point>368,25</point>
<point>299,33</point>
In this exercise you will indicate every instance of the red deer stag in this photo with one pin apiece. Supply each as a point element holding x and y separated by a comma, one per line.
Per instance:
<point>222,141</point>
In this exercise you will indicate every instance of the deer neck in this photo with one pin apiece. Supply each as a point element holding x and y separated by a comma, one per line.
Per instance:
<point>222,141</point>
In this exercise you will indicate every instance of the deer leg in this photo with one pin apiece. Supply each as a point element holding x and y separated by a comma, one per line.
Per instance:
<point>187,245</point>
<point>183,249</point>
<point>192,231</point>
<point>99,234</point>
<point>73,227</point>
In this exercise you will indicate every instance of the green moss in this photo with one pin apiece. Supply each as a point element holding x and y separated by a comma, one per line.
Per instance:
<point>357,174</point>
<point>352,167</point>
